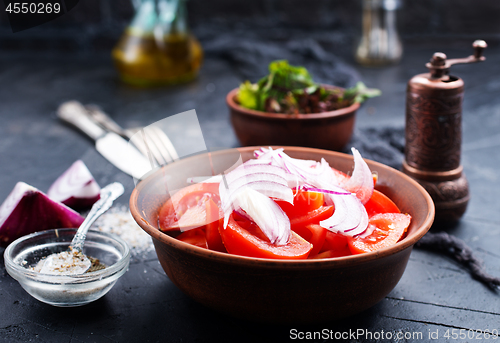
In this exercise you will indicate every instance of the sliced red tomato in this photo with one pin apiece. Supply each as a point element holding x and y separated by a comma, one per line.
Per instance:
<point>335,245</point>
<point>187,208</point>
<point>214,219</point>
<point>313,217</point>
<point>314,234</point>
<point>242,221</point>
<point>249,242</point>
<point>303,203</point>
<point>334,241</point>
<point>195,237</point>
<point>380,203</point>
<point>388,229</point>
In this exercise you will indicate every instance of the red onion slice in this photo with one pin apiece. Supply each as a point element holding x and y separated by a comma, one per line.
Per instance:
<point>268,188</point>
<point>325,191</point>
<point>27,210</point>
<point>255,168</point>
<point>361,181</point>
<point>267,179</point>
<point>76,187</point>
<point>270,218</point>
<point>315,173</point>
<point>369,230</point>
<point>249,188</point>
<point>350,217</point>
<point>265,152</point>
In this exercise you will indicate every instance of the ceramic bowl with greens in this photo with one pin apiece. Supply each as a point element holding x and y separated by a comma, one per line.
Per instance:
<point>286,107</point>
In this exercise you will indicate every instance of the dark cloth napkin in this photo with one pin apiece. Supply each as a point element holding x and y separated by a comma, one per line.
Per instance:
<point>250,57</point>
<point>381,144</point>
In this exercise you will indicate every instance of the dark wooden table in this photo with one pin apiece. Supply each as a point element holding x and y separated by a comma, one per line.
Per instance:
<point>434,301</point>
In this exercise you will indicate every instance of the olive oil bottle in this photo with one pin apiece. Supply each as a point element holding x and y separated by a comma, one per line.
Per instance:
<point>157,47</point>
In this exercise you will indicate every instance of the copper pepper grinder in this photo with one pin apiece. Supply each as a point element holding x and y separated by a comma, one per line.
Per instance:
<point>434,133</point>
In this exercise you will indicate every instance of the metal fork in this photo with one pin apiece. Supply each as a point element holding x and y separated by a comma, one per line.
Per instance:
<point>151,141</point>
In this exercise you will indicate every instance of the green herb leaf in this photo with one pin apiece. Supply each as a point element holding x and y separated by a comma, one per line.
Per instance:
<point>249,95</point>
<point>361,93</point>
<point>289,77</point>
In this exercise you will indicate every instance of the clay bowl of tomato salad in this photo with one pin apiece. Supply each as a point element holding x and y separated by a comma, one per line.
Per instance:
<point>334,283</point>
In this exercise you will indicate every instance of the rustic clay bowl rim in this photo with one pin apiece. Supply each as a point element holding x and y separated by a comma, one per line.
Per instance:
<point>232,103</point>
<point>326,263</point>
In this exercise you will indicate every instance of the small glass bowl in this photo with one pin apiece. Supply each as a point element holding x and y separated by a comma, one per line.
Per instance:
<point>66,290</point>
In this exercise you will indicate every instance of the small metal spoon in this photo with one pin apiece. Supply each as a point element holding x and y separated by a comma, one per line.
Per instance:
<point>56,264</point>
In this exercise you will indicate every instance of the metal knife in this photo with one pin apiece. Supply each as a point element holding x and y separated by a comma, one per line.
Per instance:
<point>110,145</point>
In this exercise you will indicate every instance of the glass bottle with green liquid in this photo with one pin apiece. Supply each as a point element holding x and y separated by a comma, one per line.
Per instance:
<point>157,48</point>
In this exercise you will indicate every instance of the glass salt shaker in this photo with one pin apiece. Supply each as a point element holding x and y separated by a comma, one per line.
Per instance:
<point>380,43</point>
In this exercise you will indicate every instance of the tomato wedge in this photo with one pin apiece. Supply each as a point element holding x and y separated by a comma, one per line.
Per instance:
<point>195,237</point>
<point>380,203</point>
<point>187,208</point>
<point>314,234</point>
<point>249,242</point>
<point>313,217</point>
<point>388,229</point>
<point>334,241</point>
<point>303,203</point>
<point>335,245</point>
<point>215,220</point>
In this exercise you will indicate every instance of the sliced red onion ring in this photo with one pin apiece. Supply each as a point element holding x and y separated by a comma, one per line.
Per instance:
<point>267,179</point>
<point>277,188</point>
<point>361,181</point>
<point>270,218</point>
<point>350,217</point>
<point>363,224</point>
<point>315,173</point>
<point>255,168</point>
<point>326,191</point>
<point>241,179</point>
<point>249,188</point>
<point>267,188</point>
<point>265,151</point>
<point>294,181</point>
<point>27,210</point>
<point>369,230</point>
<point>76,187</point>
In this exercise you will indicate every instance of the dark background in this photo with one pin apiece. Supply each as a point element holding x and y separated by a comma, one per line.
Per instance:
<point>94,26</point>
